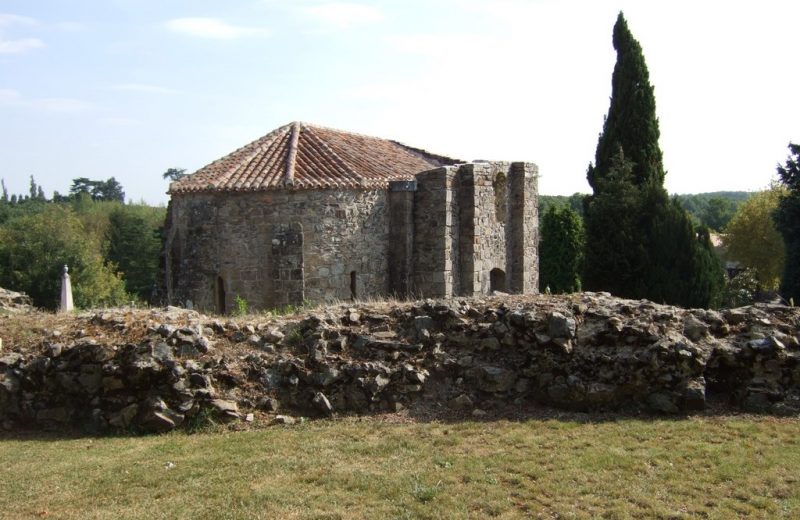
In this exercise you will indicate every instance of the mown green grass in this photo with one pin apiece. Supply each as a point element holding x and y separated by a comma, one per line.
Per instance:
<point>628,468</point>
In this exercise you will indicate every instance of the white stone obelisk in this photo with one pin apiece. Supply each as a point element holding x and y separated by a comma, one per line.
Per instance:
<point>66,291</point>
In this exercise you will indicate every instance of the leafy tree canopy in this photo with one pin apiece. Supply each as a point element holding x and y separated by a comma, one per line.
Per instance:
<point>107,190</point>
<point>561,250</point>
<point>752,239</point>
<point>34,248</point>
<point>173,174</point>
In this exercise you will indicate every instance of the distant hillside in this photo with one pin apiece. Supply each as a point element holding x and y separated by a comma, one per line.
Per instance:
<point>713,209</point>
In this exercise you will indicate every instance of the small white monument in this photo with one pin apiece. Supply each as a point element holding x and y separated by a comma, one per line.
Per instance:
<point>66,292</point>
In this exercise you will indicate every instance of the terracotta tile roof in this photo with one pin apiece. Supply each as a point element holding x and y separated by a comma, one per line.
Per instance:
<point>302,156</point>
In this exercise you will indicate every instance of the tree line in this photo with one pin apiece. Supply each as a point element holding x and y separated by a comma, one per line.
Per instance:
<point>713,210</point>
<point>628,237</point>
<point>112,248</point>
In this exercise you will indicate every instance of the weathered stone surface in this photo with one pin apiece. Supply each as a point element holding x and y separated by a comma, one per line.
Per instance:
<point>461,402</point>
<point>475,231</point>
<point>560,326</point>
<point>227,410</point>
<point>158,417</point>
<point>495,379</point>
<point>661,402</point>
<point>15,301</point>
<point>621,354</point>
<point>322,403</point>
<point>693,328</point>
<point>124,417</point>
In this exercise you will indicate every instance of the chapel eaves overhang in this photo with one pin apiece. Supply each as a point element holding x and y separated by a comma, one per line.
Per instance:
<point>303,156</point>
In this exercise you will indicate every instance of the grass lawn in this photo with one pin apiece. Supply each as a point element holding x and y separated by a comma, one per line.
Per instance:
<point>718,467</point>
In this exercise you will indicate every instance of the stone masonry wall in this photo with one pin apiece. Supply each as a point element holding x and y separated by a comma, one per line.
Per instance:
<point>475,225</point>
<point>523,228</point>
<point>155,370</point>
<point>435,229</point>
<point>401,236</point>
<point>490,217</point>
<point>236,237</point>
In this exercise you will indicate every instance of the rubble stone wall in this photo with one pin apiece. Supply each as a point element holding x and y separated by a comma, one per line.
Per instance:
<point>587,352</point>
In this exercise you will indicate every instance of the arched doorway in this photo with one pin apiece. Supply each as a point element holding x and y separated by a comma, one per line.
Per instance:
<point>497,280</point>
<point>219,293</point>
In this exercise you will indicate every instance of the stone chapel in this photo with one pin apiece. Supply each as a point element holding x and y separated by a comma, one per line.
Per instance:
<point>308,213</point>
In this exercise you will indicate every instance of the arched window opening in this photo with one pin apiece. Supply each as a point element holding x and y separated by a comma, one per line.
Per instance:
<point>497,280</point>
<point>353,285</point>
<point>220,295</point>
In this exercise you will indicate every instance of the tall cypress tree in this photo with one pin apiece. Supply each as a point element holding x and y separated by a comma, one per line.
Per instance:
<point>639,244</point>
<point>631,123</point>
<point>787,220</point>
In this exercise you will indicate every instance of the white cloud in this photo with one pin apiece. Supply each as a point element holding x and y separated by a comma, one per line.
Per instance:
<point>211,28</point>
<point>19,46</point>
<point>121,121</point>
<point>62,105</point>
<point>12,98</point>
<point>9,97</point>
<point>143,88</point>
<point>14,19</point>
<point>71,26</point>
<point>343,15</point>
<point>9,46</point>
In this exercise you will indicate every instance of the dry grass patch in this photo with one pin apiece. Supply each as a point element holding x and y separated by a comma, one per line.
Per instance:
<point>700,467</point>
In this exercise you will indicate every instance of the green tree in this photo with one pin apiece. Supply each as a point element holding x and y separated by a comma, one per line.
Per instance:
<point>34,191</point>
<point>639,244</point>
<point>717,213</point>
<point>173,174</point>
<point>108,190</point>
<point>82,185</point>
<point>561,250</point>
<point>615,253</point>
<point>787,221</point>
<point>134,243</point>
<point>35,247</point>
<point>631,122</point>
<point>752,239</point>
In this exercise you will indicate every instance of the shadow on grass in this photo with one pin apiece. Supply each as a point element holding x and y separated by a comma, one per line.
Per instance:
<point>421,412</point>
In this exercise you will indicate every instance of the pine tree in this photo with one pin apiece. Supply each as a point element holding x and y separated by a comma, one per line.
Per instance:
<point>639,244</point>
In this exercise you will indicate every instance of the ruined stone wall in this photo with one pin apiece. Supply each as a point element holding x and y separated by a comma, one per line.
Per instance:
<point>401,236</point>
<point>435,231</point>
<point>275,248</point>
<point>523,228</point>
<point>476,230</point>
<point>155,370</point>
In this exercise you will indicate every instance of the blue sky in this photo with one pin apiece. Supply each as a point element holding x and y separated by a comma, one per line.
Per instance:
<point>129,88</point>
